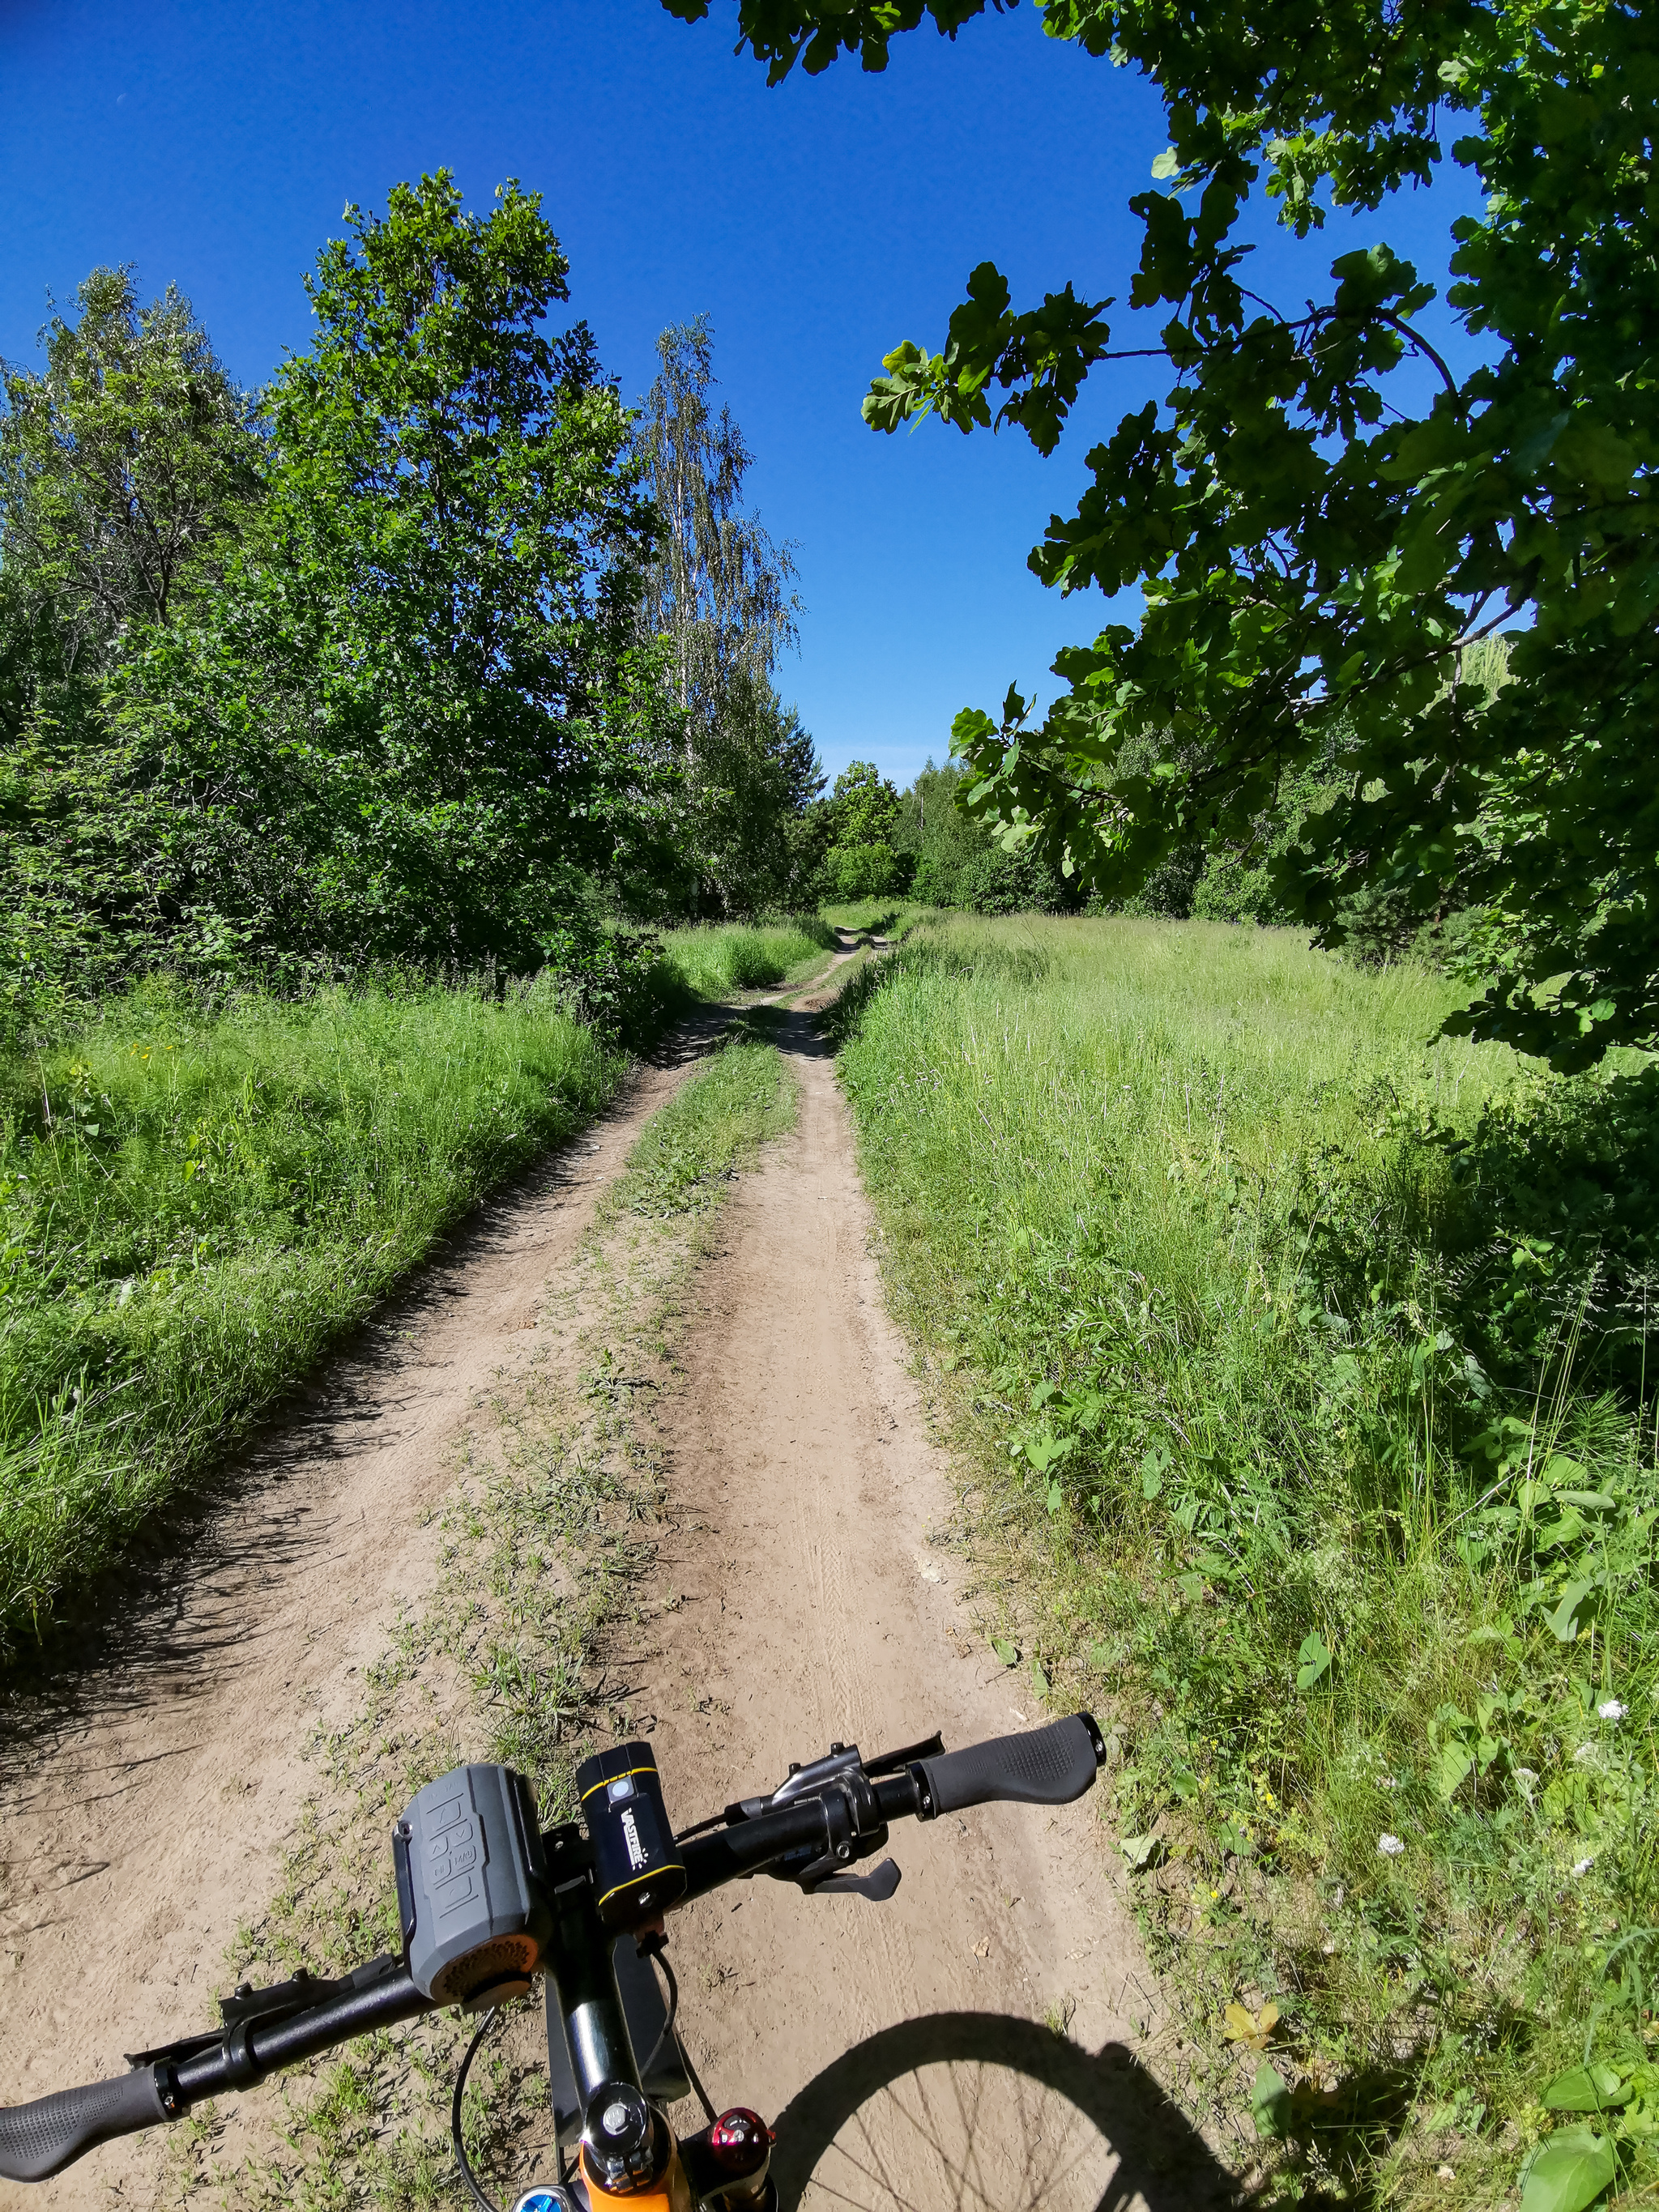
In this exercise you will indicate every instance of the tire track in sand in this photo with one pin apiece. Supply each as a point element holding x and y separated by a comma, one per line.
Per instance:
<point>817,1606</point>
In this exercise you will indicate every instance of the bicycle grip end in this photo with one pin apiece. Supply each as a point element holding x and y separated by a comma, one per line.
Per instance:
<point>41,2139</point>
<point>1044,1767</point>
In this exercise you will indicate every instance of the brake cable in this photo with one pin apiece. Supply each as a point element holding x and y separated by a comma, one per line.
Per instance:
<point>484,2204</point>
<point>654,1946</point>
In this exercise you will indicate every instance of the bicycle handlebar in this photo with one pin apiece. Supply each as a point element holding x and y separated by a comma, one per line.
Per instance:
<point>42,2138</point>
<point>842,1818</point>
<point>1045,1767</point>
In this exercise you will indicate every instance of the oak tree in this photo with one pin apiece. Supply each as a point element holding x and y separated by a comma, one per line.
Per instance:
<point>1314,549</point>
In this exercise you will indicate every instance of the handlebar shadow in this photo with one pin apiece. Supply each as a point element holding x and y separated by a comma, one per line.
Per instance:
<point>1163,2162</point>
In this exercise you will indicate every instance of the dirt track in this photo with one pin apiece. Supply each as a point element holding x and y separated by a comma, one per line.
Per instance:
<point>903,2043</point>
<point>146,1815</point>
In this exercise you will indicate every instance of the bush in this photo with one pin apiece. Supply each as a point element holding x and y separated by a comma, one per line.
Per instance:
<point>997,882</point>
<point>864,871</point>
<point>710,960</point>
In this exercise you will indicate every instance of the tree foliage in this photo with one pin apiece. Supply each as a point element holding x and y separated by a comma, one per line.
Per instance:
<point>863,860</point>
<point>405,712</point>
<point>1313,547</point>
<point>718,593</point>
<point>126,468</point>
<point>121,464</point>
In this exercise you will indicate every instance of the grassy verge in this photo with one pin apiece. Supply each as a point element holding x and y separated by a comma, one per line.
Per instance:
<point>1295,1363</point>
<point>717,959</point>
<point>196,1204</point>
<point>546,1555</point>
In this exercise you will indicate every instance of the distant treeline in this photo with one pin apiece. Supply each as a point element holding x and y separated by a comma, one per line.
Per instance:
<point>431,654</point>
<point>924,844</point>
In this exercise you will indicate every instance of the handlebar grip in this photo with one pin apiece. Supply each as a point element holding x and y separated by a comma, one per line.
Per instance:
<point>1045,1767</point>
<point>42,2138</point>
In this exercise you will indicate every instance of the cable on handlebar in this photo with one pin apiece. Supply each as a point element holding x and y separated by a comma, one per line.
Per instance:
<point>484,2202</point>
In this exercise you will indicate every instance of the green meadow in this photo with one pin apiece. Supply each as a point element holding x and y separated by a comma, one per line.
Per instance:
<point>1298,1360</point>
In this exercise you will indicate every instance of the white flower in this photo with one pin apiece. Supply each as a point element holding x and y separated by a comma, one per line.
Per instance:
<point>1390,1846</point>
<point>1611,1710</point>
<point>1388,1782</point>
<point>1585,1751</point>
<point>1584,1866</point>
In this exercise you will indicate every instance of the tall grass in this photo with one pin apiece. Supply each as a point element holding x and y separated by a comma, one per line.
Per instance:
<point>195,1203</point>
<point>891,918</point>
<point>715,958</point>
<point>1264,1320</point>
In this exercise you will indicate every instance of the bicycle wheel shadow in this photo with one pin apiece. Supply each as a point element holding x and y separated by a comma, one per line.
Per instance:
<point>1142,2150</point>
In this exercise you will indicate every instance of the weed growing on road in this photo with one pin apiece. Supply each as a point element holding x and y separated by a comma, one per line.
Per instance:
<point>701,1137</point>
<point>194,1203</point>
<point>1296,1358</point>
<point>546,1550</point>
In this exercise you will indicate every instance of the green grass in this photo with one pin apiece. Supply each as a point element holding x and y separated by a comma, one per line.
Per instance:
<point>196,1204</point>
<point>892,918</point>
<point>715,959</point>
<point>707,1131</point>
<point>1295,1358</point>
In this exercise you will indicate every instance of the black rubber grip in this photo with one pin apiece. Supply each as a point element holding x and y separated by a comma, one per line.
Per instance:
<point>42,2138</point>
<point>1046,1767</point>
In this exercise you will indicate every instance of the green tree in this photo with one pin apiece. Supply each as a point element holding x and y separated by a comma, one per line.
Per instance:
<point>419,718</point>
<point>718,592</point>
<point>127,466</point>
<point>1313,547</point>
<point>863,860</point>
<point>123,465</point>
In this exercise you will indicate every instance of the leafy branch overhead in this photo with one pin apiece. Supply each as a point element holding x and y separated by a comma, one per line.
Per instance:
<point>1319,517</point>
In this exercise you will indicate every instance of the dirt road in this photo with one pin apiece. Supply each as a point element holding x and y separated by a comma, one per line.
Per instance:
<point>145,1815</point>
<point>914,2048</point>
<point>907,2044</point>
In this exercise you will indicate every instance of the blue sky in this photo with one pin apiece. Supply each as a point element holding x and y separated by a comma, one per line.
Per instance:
<point>816,224</point>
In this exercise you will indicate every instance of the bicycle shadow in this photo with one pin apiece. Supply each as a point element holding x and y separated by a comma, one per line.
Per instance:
<point>1161,2161</point>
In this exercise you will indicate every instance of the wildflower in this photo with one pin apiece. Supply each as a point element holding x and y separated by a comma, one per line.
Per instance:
<point>1390,1846</point>
<point>1388,1782</point>
<point>1584,1866</point>
<point>1585,1751</point>
<point>1611,1710</point>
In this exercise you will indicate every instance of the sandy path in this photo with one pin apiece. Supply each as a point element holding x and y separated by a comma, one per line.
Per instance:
<point>896,2040</point>
<point>902,2045</point>
<point>146,1816</point>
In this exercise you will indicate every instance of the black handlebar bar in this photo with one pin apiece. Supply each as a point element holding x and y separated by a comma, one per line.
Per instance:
<point>842,1818</point>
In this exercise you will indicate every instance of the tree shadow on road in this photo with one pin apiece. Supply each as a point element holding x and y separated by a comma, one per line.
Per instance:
<point>973,2104</point>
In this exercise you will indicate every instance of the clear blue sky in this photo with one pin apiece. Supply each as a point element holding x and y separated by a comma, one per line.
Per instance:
<point>816,224</point>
